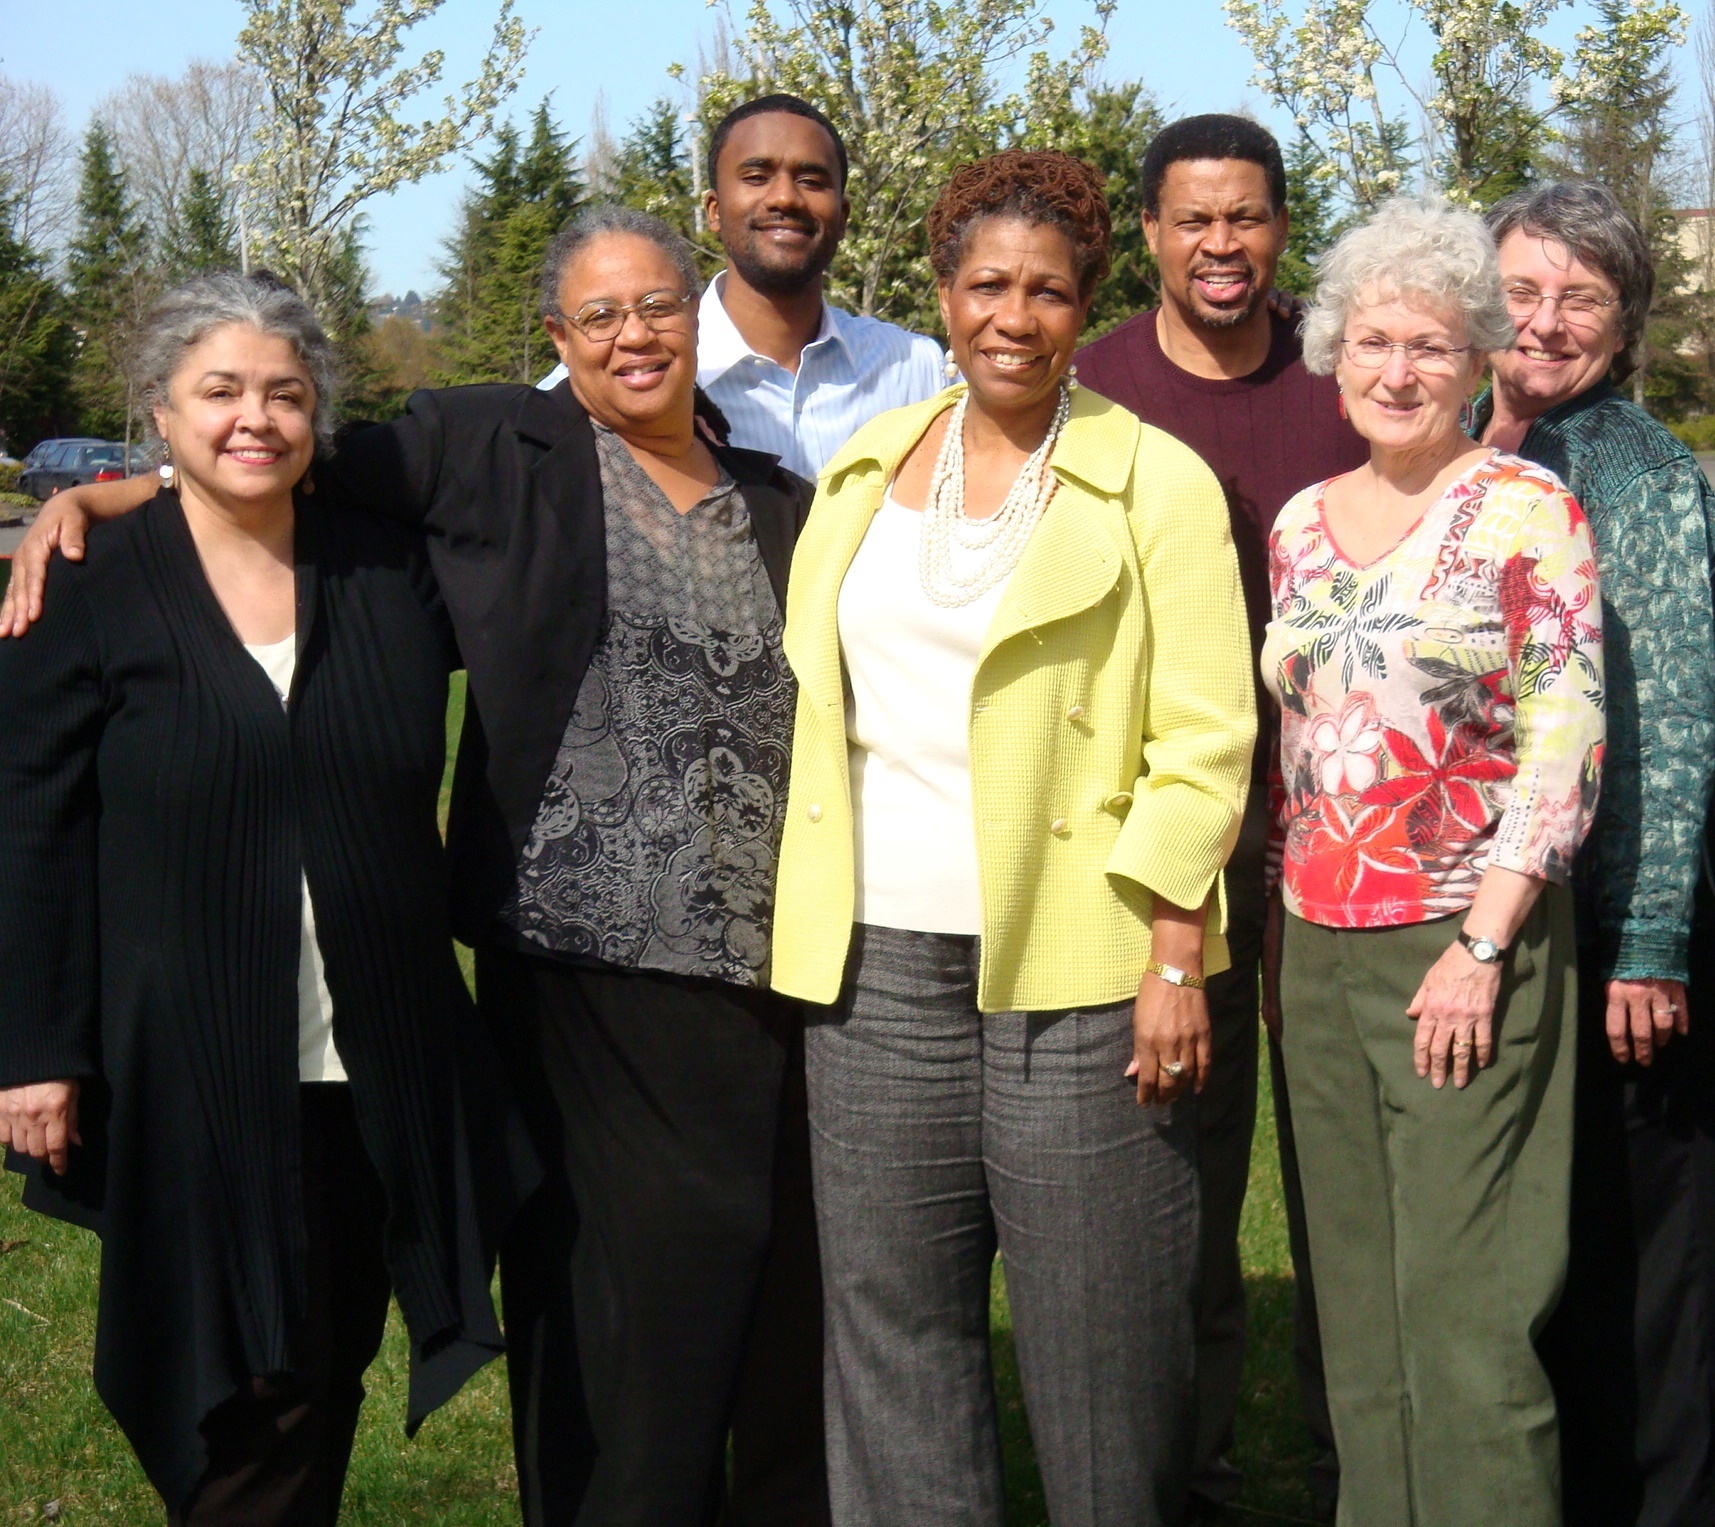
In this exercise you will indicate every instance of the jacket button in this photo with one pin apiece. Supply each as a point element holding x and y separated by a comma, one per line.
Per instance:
<point>814,813</point>
<point>1076,713</point>
<point>1057,825</point>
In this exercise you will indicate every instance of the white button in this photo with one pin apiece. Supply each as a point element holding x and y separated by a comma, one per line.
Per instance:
<point>814,813</point>
<point>1076,713</point>
<point>1057,825</point>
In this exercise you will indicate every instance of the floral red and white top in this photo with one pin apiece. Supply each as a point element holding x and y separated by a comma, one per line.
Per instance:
<point>1441,707</point>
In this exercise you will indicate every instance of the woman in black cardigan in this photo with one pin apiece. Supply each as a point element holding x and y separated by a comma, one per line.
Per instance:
<point>234,1040</point>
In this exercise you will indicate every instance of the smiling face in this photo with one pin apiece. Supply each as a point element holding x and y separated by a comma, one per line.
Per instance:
<point>1555,359</point>
<point>1217,237</point>
<point>641,376</point>
<point>239,420</point>
<point>777,205</point>
<point>1402,406</point>
<point>1013,312</point>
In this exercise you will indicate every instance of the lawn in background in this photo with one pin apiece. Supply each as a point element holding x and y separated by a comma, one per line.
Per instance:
<point>57,1443</point>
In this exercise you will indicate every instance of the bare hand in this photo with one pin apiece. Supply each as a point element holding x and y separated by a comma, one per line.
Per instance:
<point>1285,305</point>
<point>40,1121</point>
<point>1169,1027</point>
<point>61,523</point>
<point>1273,931</point>
<point>1643,1015</point>
<point>1455,1011</point>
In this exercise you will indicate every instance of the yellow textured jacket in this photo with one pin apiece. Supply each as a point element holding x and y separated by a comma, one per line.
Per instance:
<point>1112,717</point>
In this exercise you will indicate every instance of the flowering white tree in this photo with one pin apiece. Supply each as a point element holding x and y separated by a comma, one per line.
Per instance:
<point>912,85</point>
<point>1497,91</point>
<point>334,131</point>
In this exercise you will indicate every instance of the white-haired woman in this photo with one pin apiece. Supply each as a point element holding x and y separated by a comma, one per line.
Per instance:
<point>233,1037</point>
<point>1436,651</point>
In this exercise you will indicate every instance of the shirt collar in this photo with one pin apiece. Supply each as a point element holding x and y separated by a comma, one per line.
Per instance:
<point>720,346</point>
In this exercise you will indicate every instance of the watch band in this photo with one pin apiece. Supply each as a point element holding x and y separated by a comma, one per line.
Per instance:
<point>1485,951</point>
<point>1173,975</point>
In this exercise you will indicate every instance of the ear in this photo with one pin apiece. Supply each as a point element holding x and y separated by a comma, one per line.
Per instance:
<point>1152,231</point>
<point>946,311</point>
<point>712,211</point>
<point>161,415</point>
<point>561,333</point>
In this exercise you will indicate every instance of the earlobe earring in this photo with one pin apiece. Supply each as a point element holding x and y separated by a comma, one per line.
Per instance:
<point>1072,377</point>
<point>307,483</point>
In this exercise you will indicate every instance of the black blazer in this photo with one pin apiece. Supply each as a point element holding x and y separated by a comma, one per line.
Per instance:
<point>158,806</point>
<point>505,480</point>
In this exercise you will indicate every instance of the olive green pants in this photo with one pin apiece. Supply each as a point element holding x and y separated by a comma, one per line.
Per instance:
<point>1438,1221</point>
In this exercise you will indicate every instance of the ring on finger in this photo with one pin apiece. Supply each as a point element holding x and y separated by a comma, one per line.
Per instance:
<point>1462,1047</point>
<point>1173,1068</point>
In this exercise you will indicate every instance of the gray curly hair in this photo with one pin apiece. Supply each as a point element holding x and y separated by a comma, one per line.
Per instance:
<point>189,313</point>
<point>610,217</point>
<point>1415,247</point>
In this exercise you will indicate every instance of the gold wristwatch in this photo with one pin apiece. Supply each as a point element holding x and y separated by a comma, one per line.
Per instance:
<point>1173,975</point>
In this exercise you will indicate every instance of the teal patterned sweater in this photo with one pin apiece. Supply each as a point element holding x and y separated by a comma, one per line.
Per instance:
<point>1654,518</point>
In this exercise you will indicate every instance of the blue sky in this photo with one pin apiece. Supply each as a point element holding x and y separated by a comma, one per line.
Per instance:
<point>1181,49</point>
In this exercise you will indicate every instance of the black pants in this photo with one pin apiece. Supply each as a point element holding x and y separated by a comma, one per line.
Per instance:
<point>632,1281</point>
<point>1629,1349</point>
<point>1226,1120</point>
<point>278,1454</point>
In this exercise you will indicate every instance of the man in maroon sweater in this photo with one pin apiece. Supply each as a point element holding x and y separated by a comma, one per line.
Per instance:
<point>1216,368</point>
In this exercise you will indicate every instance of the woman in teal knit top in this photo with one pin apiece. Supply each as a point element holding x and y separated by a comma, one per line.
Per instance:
<point>1630,1349</point>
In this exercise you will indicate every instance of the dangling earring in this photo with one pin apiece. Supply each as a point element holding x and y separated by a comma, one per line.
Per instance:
<point>1340,402</point>
<point>1072,377</point>
<point>307,483</point>
<point>951,369</point>
<point>169,475</point>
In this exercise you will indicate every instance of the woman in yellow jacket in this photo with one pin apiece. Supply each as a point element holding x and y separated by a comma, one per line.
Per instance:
<point>1022,743</point>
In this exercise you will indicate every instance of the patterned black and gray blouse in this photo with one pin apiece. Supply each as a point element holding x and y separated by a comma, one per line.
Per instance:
<point>655,844</point>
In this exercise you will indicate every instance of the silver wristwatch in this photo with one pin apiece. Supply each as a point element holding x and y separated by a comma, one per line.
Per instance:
<point>1485,951</point>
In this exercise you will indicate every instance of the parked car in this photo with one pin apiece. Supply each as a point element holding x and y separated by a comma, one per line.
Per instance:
<point>70,463</point>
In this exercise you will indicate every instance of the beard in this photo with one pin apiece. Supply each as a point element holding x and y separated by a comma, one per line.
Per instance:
<point>1224,318</point>
<point>776,277</point>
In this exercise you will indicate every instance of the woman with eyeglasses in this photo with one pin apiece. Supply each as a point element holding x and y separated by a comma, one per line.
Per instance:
<point>1631,1349</point>
<point>616,582</point>
<point>1436,652</point>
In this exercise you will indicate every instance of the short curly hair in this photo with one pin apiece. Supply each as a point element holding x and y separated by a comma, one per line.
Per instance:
<point>1418,247</point>
<point>1043,187</point>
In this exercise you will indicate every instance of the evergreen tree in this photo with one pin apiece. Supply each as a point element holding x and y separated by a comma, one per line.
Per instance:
<point>110,287</point>
<point>37,343</point>
<point>652,170</point>
<point>1117,125</point>
<point>488,308</point>
<point>203,237</point>
<point>1311,190</point>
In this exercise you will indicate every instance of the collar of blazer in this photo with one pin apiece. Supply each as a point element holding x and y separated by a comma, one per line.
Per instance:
<point>776,500</point>
<point>1070,564</point>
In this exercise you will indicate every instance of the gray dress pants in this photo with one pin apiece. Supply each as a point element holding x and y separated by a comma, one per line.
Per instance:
<point>938,1132</point>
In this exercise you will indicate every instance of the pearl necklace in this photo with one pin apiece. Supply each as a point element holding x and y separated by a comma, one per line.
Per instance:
<point>998,541</point>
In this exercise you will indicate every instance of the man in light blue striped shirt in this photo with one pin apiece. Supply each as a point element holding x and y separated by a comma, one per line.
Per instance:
<point>794,375</point>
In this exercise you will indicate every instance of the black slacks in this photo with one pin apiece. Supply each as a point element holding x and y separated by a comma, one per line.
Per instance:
<point>1630,1347</point>
<point>669,1117</point>
<point>278,1454</point>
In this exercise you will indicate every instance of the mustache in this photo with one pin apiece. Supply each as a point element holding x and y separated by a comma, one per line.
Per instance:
<point>797,224</point>
<point>1224,268</point>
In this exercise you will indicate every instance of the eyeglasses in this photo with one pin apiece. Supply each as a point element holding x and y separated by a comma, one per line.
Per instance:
<point>602,321</point>
<point>1424,356</point>
<point>1578,310</point>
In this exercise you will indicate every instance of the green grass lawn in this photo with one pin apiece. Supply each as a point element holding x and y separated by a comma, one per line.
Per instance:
<point>58,1444</point>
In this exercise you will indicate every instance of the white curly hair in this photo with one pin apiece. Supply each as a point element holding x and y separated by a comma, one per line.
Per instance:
<point>1416,248</point>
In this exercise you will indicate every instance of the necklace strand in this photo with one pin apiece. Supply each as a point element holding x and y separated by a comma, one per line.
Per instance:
<point>996,542</point>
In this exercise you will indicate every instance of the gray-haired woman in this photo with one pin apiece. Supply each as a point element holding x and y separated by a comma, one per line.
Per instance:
<point>1632,1347</point>
<point>1436,652</point>
<point>616,584</point>
<point>233,1037</point>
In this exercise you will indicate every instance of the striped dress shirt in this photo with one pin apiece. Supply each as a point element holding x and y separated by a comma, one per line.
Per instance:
<point>854,369</point>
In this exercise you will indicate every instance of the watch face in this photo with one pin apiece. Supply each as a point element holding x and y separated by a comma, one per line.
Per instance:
<point>1485,950</point>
